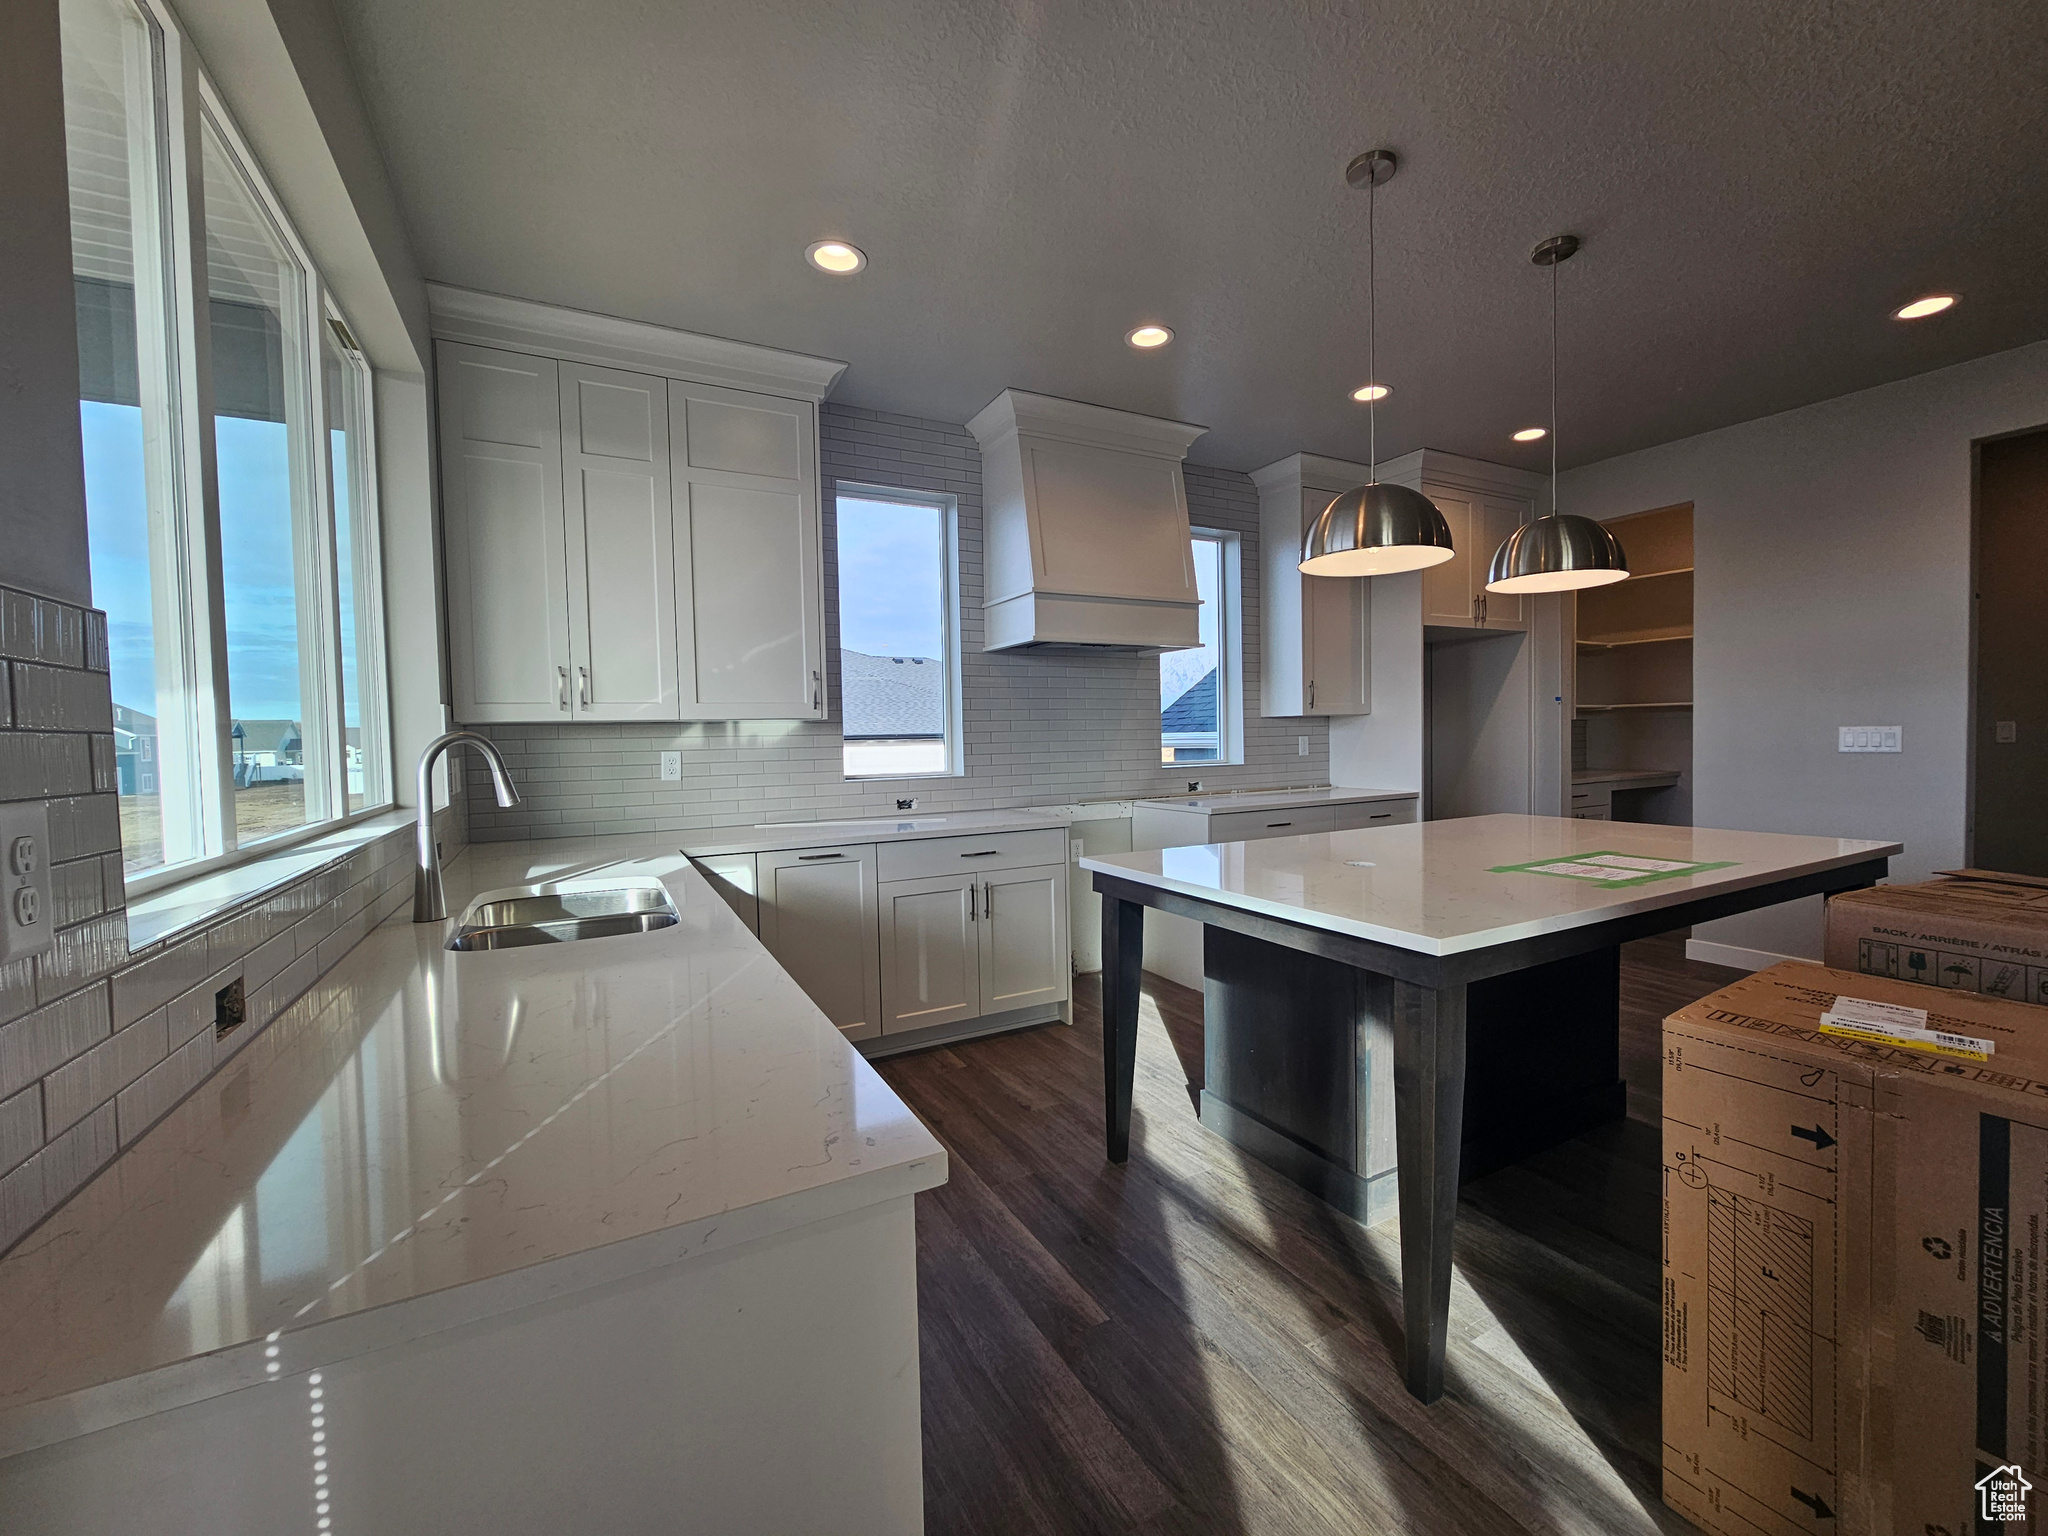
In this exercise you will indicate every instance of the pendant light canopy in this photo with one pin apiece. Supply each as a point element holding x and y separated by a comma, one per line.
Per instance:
<point>1554,553</point>
<point>1377,529</point>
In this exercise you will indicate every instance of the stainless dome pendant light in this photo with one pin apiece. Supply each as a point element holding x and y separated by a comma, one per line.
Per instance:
<point>1553,553</point>
<point>1377,529</point>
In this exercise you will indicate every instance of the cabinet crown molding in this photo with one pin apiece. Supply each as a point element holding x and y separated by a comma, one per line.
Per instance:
<point>1452,469</point>
<point>1072,421</point>
<point>521,325</point>
<point>1311,472</point>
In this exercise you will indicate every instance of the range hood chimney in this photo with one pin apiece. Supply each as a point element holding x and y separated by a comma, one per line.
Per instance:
<point>1086,535</point>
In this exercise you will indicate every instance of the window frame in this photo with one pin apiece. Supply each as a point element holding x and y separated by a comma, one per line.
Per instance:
<point>1230,653</point>
<point>948,508</point>
<point>194,752</point>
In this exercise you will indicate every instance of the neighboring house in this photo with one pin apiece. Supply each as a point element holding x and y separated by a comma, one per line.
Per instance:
<point>268,752</point>
<point>1188,727</point>
<point>135,763</point>
<point>892,698</point>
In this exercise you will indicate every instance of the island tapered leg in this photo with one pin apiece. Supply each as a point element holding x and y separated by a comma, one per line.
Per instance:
<point>1123,949</point>
<point>1429,1114</point>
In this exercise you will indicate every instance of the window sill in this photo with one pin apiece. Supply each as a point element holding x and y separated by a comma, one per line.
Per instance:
<point>205,898</point>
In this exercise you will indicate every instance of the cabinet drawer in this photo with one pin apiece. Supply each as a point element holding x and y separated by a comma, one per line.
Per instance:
<point>955,855</point>
<point>1371,813</point>
<point>1246,826</point>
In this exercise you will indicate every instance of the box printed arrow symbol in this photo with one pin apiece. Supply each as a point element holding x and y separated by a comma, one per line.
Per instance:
<point>1821,1139</point>
<point>1816,1503</point>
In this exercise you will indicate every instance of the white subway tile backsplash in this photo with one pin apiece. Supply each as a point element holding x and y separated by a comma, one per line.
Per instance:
<point>40,1042</point>
<point>21,1127</point>
<point>82,1085</point>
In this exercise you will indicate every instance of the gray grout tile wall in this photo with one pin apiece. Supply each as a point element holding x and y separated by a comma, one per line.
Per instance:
<point>97,1041</point>
<point>1039,727</point>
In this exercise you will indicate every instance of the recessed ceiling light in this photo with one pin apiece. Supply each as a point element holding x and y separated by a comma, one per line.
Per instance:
<point>1531,434</point>
<point>1920,309</point>
<point>1366,392</point>
<point>836,257</point>
<point>1146,337</point>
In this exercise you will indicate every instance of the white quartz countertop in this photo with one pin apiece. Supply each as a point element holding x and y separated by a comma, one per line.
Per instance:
<point>1434,886</point>
<point>437,1137</point>
<point>1277,799</point>
<point>910,826</point>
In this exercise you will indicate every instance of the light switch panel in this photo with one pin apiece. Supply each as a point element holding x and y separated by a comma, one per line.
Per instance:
<point>28,926</point>
<point>1867,738</point>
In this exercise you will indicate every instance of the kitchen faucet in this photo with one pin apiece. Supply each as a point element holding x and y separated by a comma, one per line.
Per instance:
<point>428,904</point>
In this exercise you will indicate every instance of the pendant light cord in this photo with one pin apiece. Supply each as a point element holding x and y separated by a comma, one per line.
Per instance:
<point>1553,389</point>
<point>1372,377</point>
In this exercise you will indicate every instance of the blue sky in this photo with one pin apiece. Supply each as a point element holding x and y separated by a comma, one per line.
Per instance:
<point>891,578</point>
<point>256,558</point>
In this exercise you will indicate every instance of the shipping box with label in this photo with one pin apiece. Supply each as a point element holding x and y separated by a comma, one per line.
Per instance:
<point>1854,1231</point>
<point>1970,931</point>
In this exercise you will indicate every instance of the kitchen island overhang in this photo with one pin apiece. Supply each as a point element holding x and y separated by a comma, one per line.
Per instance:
<point>1350,976</point>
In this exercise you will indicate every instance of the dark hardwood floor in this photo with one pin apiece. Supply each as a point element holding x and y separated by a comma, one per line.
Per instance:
<point>1190,1343</point>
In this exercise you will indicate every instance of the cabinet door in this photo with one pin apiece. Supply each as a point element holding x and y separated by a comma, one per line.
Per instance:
<point>818,919</point>
<point>1335,617</point>
<point>931,952</point>
<point>733,877</point>
<point>622,583</point>
<point>1448,588</point>
<point>1024,956</point>
<point>750,609</point>
<point>1494,518</point>
<point>501,496</point>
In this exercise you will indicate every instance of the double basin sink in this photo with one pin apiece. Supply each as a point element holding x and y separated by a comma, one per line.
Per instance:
<point>517,919</point>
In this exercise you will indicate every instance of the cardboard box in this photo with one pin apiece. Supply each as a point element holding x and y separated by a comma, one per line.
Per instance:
<point>1970,931</point>
<point>1855,1244</point>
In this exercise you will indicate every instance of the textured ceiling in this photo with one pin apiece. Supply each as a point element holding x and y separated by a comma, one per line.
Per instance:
<point>1758,182</point>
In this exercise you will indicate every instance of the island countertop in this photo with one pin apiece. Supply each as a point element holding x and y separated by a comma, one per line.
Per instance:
<point>433,1137</point>
<point>1445,887</point>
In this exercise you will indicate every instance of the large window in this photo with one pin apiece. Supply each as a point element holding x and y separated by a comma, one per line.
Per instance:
<point>244,618</point>
<point>899,701</point>
<point>1199,709</point>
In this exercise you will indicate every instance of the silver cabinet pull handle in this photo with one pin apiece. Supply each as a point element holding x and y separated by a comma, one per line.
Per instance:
<point>1311,693</point>
<point>986,853</point>
<point>971,917</point>
<point>817,691</point>
<point>988,900</point>
<point>583,686</point>
<point>562,686</point>
<point>805,858</point>
<point>1279,824</point>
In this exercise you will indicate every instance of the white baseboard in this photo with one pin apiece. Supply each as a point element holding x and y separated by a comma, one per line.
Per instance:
<point>1710,953</point>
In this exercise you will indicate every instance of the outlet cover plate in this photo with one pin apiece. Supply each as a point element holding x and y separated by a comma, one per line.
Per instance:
<point>28,925</point>
<point>1867,738</point>
<point>672,767</point>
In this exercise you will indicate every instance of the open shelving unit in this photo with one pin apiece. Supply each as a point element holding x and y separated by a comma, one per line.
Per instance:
<point>1634,689</point>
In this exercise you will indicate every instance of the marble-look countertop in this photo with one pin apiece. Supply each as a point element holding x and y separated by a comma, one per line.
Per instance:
<point>1276,799</point>
<point>439,1137</point>
<point>1430,886</point>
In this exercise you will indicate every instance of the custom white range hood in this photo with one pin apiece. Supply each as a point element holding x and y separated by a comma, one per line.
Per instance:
<point>1086,535</point>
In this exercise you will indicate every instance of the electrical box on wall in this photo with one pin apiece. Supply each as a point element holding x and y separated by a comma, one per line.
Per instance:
<point>27,921</point>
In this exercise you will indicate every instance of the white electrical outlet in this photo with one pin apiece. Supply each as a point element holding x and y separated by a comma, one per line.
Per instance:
<point>672,767</point>
<point>27,925</point>
<point>1867,738</point>
<point>1301,746</point>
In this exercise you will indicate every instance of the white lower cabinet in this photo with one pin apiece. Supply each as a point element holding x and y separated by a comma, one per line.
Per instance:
<point>820,919</point>
<point>958,947</point>
<point>931,952</point>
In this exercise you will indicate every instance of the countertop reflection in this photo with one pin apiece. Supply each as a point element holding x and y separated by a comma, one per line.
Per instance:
<point>424,1120</point>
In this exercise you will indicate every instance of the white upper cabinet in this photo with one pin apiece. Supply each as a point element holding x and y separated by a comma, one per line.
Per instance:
<point>632,518</point>
<point>1315,631</point>
<point>1483,503</point>
<point>751,616</point>
<point>621,545</point>
<point>508,580</point>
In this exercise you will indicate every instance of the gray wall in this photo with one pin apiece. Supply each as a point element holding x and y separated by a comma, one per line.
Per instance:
<point>1832,551</point>
<point>1039,727</point>
<point>42,488</point>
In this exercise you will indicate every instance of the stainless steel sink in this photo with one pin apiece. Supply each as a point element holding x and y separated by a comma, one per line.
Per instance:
<point>517,920</point>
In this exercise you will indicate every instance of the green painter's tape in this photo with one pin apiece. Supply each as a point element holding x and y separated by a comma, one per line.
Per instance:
<point>1543,867</point>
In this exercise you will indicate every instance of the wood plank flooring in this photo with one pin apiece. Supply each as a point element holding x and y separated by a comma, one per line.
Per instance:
<point>1189,1343</point>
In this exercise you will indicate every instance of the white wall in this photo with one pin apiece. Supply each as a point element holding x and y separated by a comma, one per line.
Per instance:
<point>1383,749</point>
<point>1832,547</point>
